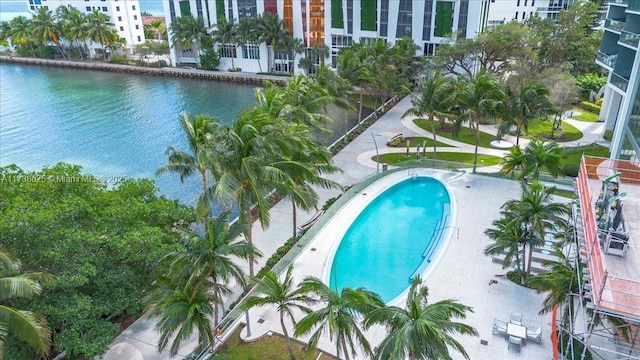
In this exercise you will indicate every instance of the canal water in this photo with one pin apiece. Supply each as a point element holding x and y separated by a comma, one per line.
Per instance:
<point>113,125</point>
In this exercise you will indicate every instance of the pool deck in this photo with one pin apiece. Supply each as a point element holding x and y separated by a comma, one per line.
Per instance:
<point>463,271</point>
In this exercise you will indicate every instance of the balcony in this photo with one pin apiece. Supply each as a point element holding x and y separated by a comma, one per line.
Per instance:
<point>634,5</point>
<point>630,39</point>
<point>619,82</point>
<point>621,2</point>
<point>614,25</point>
<point>606,59</point>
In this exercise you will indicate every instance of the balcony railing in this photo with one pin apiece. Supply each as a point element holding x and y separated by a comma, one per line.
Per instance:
<point>623,2</point>
<point>609,60</point>
<point>619,82</point>
<point>634,5</point>
<point>614,25</point>
<point>630,39</point>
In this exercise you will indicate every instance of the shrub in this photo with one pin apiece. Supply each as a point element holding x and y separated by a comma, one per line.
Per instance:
<point>590,107</point>
<point>571,169</point>
<point>118,60</point>
<point>608,135</point>
<point>210,59</point>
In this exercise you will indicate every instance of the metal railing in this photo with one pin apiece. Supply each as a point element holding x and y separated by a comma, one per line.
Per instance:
<point>633,5</point>
<point>615,25</point>
<point>607,59</point>
<point>629,38</point>
<point>619,82</point>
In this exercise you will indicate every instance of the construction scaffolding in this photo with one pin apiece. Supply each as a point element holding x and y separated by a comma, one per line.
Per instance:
<point>601,320</point>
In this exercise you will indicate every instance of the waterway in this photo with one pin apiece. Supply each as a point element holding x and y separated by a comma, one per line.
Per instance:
<point>111,124</point>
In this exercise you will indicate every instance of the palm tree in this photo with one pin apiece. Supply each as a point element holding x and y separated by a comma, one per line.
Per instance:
<point>24,325</point>
<point>180,308</point>
<point>519,108</point>
<point>269,290</point>
<point>159,29</point>
<point>5,29</point>
<point>46,29</point>
<point>200,131</point>
<point>539,156</point>
<point>293,46</point>
<point>20,31</point>
<point>560,282</point>
<point>536,213</point>
<point>338,88</point>
<point>435,99</point>
<point>353,65</point>
<point>513,162</point>
<point>508,238</point>
<point>303,100</point>
<point>74,25</point>
<point>478,98</point>
<point>226,33</point>
<point>101,30</point>
<point>247,35</point>
<point>420,330</point>
<point>188,32</point>
<point>270,31</point>
<point>208,258</point>
<point>339,316</point>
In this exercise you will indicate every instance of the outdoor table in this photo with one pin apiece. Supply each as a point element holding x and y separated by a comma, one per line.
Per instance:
<point>517,330</point>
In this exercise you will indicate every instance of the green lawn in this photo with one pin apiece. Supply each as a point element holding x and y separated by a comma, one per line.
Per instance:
<point>418,140</point>
<point>269,347</point>
<point>574,154</point>
<point>539,128</point>
<point>466,158</point>
<point>585,115</point>
<point>464,135</point>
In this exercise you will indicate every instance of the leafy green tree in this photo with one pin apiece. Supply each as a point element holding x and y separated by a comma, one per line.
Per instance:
<point>208,259</point>
<point>103,243</point>
<point>159,29</point>
<point>226,33</point>
<point>434,99</point>
<point>560,282</point>
<point>339,316</point>
<point>478,98</point>
<point>338,88</point>
<point>508,238</point>
<point>20,31</point>
<point>27,326</point>
<point>420,330</point>
<point>353,65</point>
<point>518,108</point>
<point>74,26</point>
<point>286,297</point>
<point>408,64</point>
<point>188,32</point>
<point>589,83</point>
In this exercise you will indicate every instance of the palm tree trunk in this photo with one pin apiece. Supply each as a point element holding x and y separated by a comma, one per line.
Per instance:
<point>286,336</point>
<point>433,132</point>
<point>530,255</point>
<point>345,350</point>
<point>294,219</point>
<point>216,291</point>
<point>360,109</point>
<point>233,66</point>
<point>475,153</point>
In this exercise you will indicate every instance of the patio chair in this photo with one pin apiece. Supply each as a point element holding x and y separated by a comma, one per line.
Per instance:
<point>516,318</point>
<point>534,334</point>
<point>515,341</point>
<point>499,327</point>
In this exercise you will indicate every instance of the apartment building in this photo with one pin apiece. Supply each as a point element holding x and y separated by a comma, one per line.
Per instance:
<point>619,55</point>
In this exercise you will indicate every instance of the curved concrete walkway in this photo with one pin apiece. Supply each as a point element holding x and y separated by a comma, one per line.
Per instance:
<point>463,273</point>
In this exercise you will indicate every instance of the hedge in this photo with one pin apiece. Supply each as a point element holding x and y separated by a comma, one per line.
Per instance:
<point>589,107</point>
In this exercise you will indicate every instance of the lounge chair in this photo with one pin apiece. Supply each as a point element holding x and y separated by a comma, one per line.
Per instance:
<point>516,318</point>
<point>311,221</point>
<point>515,341</point>
<point>534,334</point>
<point>499,327</point>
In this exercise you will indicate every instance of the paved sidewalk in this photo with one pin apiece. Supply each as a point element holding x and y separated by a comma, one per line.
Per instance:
<point>464,275</point>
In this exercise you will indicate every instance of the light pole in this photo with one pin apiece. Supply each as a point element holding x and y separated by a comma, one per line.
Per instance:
<point>373,136</point>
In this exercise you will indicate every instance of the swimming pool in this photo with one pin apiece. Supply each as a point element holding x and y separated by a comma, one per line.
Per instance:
<point>396,236</point>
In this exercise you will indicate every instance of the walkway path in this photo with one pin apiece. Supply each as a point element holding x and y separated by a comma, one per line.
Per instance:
<point>464,276</point>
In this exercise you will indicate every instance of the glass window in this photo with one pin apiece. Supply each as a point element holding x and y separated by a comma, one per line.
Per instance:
<point>88,8</point>
<point>119,18</point>
<point>133,7</point>
<point>135,17</point>
<point>251,51</point>
<point>405,26</point>
<point>117,8</point>
<point>104,8</point>
<point>121,28</point>
<point>228,51</point>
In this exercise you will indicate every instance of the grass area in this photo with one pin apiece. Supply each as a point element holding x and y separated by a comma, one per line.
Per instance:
<point>564,193</point>
<point>584,115</point>
<point>269,347</point>
<point>573,155</point>
<point>466,158</point>
<point>419,140</point>
<point>539,128</point>
<point>464,136</point>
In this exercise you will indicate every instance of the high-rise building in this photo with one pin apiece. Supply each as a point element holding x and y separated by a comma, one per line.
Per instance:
<point>124,14</point>
<point>619,54</point>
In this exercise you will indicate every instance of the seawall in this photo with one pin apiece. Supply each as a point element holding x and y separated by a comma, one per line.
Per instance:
<point>238,77</point>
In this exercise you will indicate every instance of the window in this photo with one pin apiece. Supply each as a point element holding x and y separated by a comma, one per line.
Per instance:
<point>117,8</point>
<point>404,24</point>
<point>139,39</point>
<point>137,27</point>
<point>119,18</point>
<point>228,50</point>
<point>525,2</point>
<point>518,3</point>
<point>533,2</point>
<point>135,17</point>
<point>516,15</point>
<point>32,7</point>
<point>104,8</point>
<point>133,7</point>
<point>251,51</point>
<point>88,8</point>
<point>121,28</point>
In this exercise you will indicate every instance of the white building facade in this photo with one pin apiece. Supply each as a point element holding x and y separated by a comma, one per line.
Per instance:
<point>124,14</point>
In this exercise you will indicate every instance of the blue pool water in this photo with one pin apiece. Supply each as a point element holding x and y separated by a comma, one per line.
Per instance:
<point>396,236</point>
